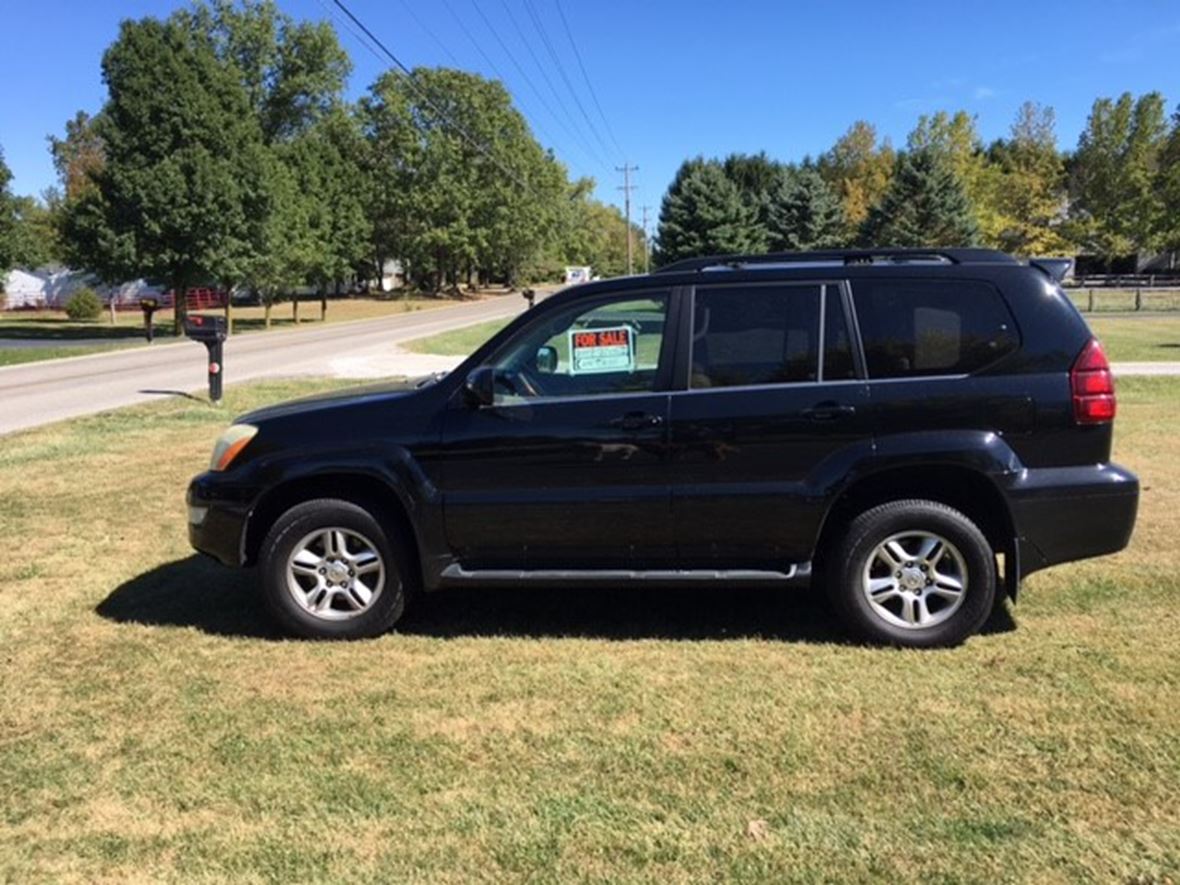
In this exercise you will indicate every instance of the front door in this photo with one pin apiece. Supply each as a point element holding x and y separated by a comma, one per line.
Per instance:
<point>770,420</point>
<point>567,467</point>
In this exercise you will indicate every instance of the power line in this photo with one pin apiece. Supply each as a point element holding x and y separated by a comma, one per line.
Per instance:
<point>540,67</point>
<point>579,140</point>
<point>426,99</point>
<point>540,26</point>
<point>586,77</point>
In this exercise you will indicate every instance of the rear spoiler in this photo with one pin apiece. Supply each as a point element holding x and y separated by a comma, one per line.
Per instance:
<point>1054,268</point>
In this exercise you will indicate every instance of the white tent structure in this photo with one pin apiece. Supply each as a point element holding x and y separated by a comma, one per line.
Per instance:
<point>52,287</point>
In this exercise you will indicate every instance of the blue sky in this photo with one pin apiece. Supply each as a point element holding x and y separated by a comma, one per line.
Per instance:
<point>674,79</point>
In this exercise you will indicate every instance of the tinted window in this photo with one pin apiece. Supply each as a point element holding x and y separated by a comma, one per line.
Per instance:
<point>912,328</point>
<point>838,365</point>
<point>755,335</point>
<point>586,350</point>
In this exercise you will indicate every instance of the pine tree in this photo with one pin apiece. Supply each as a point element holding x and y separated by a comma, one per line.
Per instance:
<point>803,213</point>
<point>924,206</point>
<point>703,213</point>
<point>1168,187</point>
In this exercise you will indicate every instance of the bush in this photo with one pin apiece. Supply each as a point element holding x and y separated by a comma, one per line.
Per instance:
<point>84,305</point>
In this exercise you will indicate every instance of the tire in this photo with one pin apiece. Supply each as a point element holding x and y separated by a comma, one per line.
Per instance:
<point>910,600</point>
<point>350,578</point>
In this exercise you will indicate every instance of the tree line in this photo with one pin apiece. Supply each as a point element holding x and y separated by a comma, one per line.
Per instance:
<point>1117,194</point>
<point>227,155</point>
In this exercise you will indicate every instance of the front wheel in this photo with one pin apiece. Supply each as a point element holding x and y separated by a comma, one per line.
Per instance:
<point>330,571</point>
<point>913,573</point>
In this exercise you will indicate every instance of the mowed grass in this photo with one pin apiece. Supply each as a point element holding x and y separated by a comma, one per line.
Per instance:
<point>12,356</point>
<point>1138,337</point>
<point>154,727</point>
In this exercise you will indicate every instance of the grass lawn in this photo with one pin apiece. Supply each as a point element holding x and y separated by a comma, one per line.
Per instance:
<point>460,342</point>
<point>11,356</point>
<point>154,727</point>
<point>57,330</point>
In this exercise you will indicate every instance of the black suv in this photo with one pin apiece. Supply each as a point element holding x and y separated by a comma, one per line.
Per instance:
<point>914,431</point>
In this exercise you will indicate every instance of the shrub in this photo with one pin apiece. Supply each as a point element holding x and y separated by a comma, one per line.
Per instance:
<point>84,305</point>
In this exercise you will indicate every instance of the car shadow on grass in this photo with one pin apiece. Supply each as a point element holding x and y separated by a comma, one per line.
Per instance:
<point>197,592</point>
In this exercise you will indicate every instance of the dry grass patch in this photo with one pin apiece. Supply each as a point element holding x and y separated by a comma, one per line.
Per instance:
<point>154,727</point>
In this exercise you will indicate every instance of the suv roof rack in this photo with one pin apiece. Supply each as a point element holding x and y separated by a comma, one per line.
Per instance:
<point>840,257</point>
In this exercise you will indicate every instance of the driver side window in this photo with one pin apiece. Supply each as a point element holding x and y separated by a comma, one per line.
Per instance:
<point>595,349</point>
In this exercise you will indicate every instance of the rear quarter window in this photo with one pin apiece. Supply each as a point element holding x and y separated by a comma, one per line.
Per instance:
<point>916,328</point>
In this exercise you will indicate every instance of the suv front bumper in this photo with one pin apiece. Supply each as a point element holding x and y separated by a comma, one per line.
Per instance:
<point>216,522</point>
<point>1067,513</point>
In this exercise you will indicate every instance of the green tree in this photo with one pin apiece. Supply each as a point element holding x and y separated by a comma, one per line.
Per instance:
<point>1029,192</point>
<point>168,199</point>
<point>78,156</point>
<point>803,213</point>
<point>1115,207</point>
<point>955,139</point>
<point>8,220</point>
<point>703,213</point>
<point>34,240</point>
<point>858,169</point>
<point>1168,187</point>
<point>924,206</point>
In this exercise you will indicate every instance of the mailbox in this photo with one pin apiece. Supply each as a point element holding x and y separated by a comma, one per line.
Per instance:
<point>149,306</point>
<point>530,296</point>
<point>210,331</point>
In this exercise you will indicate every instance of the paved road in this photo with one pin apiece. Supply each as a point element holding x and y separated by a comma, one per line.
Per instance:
<point>37,393</point>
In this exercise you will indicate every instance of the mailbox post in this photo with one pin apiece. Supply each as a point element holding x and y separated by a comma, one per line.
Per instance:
<point>149,306</point>
<point>210,331</point>
<point>530,296</point>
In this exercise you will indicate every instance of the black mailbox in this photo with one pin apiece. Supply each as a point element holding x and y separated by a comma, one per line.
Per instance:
<point>210,331</point>
<point>149,306</point>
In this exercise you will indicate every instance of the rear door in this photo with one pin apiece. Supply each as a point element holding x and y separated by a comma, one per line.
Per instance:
<point>773,411</point>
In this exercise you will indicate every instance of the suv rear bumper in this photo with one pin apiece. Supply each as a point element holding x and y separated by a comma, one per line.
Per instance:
<point>1067,513</point>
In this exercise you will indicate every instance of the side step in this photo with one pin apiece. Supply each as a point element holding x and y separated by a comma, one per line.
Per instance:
<point>455,575</point>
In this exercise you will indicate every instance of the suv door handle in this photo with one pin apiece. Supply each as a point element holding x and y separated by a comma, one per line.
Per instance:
<point>828,412</point>
<point>637,421</point>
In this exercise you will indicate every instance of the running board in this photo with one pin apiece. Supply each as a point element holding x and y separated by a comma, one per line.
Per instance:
<point>455,575</point>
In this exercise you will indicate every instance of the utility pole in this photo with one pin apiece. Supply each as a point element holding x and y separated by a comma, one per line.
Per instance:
<point>626,188</point>
<point>646,243</point>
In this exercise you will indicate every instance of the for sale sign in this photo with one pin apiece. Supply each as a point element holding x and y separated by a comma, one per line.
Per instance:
<point>596,351</point>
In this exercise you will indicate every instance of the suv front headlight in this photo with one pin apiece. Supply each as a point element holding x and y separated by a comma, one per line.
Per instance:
<point>230,445</point>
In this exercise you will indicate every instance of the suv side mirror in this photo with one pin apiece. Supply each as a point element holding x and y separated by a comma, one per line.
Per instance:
<point>480,387</point>
<point>546,360</point>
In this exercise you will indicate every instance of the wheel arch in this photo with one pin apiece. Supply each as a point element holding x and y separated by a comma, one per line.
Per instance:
<point>374,494</point>
<point>970,491</point>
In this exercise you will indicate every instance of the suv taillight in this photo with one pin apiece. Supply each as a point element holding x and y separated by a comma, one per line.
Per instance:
<point>1092,385</point>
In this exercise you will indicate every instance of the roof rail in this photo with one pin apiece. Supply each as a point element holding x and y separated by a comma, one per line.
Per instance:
<point>840,256</point>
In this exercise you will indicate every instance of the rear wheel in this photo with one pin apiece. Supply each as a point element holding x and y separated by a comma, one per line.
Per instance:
<point>331,571</point>
<point>913,573</point>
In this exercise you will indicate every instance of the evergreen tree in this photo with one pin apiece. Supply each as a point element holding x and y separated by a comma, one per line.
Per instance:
<point>924,206</point>
<point>703,213</point>
<point>1168,187</point>
<point>803,213</point>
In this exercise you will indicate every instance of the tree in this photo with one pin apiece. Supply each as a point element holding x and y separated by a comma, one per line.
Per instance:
<point>34,240</point>
<point>703,213</point>
<point>1028,192</point>
<point>803,213</point>
<point>1168,187</point>
<point>924,206</point>
<point>858,170</point>
<point>168,200</point>
<point>1115,208</point>
<point>78,156</point>
<point>8,220</point>
<point>955,139</point>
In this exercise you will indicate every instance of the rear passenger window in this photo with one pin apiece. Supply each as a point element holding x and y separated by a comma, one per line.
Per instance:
<point>912,328</point>
<point>755,335</point>
<point>838,365</point>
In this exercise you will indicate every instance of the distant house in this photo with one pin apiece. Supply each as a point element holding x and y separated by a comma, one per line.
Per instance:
<point>53,286</point>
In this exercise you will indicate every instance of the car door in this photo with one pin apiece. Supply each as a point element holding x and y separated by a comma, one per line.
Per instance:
<point>768,422</point>
<point>567,467</point>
